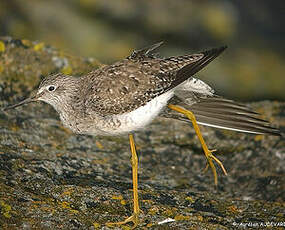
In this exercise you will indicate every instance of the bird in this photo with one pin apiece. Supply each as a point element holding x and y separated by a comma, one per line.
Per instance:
<point>125,97</point>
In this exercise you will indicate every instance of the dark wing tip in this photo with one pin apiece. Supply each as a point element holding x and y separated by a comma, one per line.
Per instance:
<point>214,52</point>
<point>154,46</point>
<point>145,52</point>
<point>194,67</point>
<point>276,132</point>
<point>281,134</point>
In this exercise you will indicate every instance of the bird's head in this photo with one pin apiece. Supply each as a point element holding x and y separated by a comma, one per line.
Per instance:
<point>55,90</point>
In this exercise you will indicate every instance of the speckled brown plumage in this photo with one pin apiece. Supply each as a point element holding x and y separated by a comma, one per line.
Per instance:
<point>127,95</point>
<point>134,81</point>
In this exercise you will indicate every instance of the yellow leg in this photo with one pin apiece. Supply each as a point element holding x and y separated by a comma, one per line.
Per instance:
<point>210,157</point>
<point>135,217</point>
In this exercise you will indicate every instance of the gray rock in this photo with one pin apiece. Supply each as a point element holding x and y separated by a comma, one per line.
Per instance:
<point>53,179</point>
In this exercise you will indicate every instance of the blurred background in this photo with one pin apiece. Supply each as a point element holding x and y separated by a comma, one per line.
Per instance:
<point>251,69</point>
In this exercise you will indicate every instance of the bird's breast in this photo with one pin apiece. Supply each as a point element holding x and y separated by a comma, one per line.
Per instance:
<point>117,124</point>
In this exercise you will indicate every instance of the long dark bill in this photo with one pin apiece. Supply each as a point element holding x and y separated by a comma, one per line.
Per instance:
<point>34,97</point>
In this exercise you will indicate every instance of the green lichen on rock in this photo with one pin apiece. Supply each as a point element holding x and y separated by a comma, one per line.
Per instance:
<point>53,179</point>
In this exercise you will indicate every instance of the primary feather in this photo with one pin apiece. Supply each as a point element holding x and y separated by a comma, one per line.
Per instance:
<point>215,111</point>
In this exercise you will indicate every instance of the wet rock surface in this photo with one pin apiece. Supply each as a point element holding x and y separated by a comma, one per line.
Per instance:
<point>53,179</point>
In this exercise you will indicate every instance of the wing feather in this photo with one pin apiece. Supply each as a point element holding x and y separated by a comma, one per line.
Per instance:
<point>136,80</point>
<point>221,113</point>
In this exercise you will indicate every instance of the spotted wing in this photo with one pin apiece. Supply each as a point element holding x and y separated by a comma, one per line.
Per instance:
<point>131,83</point>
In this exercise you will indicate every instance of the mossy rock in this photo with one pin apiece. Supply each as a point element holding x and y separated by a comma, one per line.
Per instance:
<point>53,179</point>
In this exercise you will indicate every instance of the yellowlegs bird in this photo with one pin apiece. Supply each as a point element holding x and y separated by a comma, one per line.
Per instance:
<point>126,96</point>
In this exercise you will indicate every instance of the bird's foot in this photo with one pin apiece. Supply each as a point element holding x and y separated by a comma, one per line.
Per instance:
<point>210,158</point>
<point>208,153</point>
<point>133,218</point>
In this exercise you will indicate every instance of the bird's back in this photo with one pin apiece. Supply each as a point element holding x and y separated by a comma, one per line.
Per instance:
<point>131,83</point>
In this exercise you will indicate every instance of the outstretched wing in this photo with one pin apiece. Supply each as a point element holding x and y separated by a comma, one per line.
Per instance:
<point>212,110</point>
<point>132,82</point>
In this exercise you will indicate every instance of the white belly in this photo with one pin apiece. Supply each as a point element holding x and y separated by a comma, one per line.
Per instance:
<point>142,116</point>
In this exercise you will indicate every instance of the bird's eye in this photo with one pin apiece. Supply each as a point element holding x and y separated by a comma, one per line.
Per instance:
<point>51,88</point>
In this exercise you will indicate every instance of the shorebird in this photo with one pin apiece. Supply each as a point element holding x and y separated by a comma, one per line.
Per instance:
<point>126,96</point>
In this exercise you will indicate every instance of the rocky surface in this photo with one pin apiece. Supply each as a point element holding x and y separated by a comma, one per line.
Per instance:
<point>53,179</point>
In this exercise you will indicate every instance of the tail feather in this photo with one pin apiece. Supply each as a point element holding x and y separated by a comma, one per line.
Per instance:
<point>231,116</point>
<point>222,104</point>
<point>242,126</point>
<point>226,114</point>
